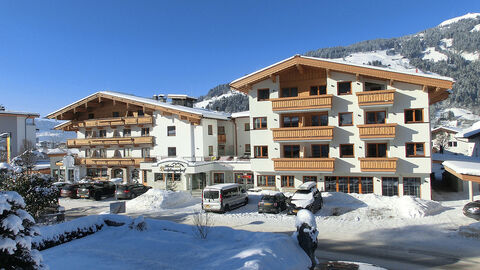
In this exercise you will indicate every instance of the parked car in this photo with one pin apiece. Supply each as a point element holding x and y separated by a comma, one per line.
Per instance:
<point>223,197</point>
<point>472,210</point>
<point>96,190</point>
<point>130,191</point>
<point>59,186</point>
<point>307,196</point>
<point>272,202</point>
<point>69,191</point>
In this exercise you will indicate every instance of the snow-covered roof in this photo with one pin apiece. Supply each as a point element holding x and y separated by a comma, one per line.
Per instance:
<point>203,112</point>
<point>469,132</point>
<point>450,156</point>
<point>452,129</point>
<point>459,18</point>
<point>182,96</point>
<point>463,167</point>
<point>241,114</point>
<point>15,113</point>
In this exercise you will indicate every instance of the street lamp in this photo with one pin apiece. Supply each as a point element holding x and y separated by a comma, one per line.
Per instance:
<point>7,136</point>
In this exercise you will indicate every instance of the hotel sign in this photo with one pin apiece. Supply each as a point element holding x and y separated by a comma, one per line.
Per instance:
<point>173,167</point>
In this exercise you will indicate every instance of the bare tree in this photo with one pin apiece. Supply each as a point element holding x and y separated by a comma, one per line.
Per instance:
<point>203,223</point>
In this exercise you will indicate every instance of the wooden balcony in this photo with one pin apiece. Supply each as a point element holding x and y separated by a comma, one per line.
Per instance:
<point>379,98</point>
<point>115,141</point>
<point>222,139</point>
<point>304,164</point>
<point>377,131</point>
<point>310,103</point>
<point>378,164</point>
<point>113,122</point>
<point>112,162</point>
<point>317,133</point>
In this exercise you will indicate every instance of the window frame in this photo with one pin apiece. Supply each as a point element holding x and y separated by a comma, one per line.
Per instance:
<point>316,88</point>
<point>210,129</point>
<point>292,151</point>
<point>266,180</point>
<point>215,174</point>
<point>247,127</point>
<point>398,186</point>
<point>288,184</point>
<point>310,176</point>
<point>261,151</point>
<point>210,150</point>
<point>321,145</point>
<point>338,88</point>
<point>145,132</point>
<point>248,149</point>
<point>414,116</point>
<point>290,125</point>
<point>405,187</point>
<point>289,90</point>
<point>346,156</point>
<point>414,149</point>
<point>261,123</point>
<point>221,130</point>
<point>376,150</point>
<point>258,94</point>
<point>168,151</point>
<point>376,118</point>
<point>174,131</point>
<point>340,119</point>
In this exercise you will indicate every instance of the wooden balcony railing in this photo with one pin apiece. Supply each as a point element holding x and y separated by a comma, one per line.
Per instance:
<point>222,138</point>
<point>377,131</point>
<point>378,164</point>
<point>322,102</point>
<point>113,121</point>
<point>112,162</point>
<point>304,164</point>
<point>116,141</point>
<point>303,133</point>
<point>376,98</point>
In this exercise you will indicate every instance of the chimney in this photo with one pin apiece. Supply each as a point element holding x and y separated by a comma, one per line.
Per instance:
<point>2,108</point>
<point>155,97</point>
<point>162,98</point>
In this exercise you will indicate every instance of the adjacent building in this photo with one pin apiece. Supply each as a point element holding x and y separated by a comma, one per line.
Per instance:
<point>20,129</point>
<point>352,128</point>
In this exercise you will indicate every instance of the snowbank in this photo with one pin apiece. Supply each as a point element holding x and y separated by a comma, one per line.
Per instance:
<point>157,199</point>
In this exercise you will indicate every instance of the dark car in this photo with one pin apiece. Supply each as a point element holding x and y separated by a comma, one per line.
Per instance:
<point>472,210</point>
<point>96,190</point>
<point>307,197</point>
<point>272,203</point>
<point>130,191</point>
<point>69,191</point>
<point>59,186</point>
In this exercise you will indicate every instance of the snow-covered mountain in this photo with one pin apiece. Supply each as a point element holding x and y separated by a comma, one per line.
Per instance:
<point>45,131</point>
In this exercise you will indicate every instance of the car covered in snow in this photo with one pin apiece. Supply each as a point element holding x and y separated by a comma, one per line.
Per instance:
<point>96,190</point>
<point>472,210</point>
<point>130,191</point>
<point>223,197</point>
<point>307,196</point>
<point>272,202</point>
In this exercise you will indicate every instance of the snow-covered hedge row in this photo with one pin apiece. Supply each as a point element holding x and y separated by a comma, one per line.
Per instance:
<point>54,235</point>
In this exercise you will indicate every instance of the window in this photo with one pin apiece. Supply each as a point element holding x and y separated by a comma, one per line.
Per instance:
<point>346,150</point>
<point>290,121</point>
<point>117,154</point>
<point>102,133</point>
<point>176,176</point>
<point>320,150</point>
<point>88,152</point>
<point>319,120</point>
<point>263,94</point>
<point>145,152</point>
<point>260,151</point>
<point>291,151</point>
<point>361,185</point>
<point>158,177</point>
<point>309,178</point>
<point>116,134</point>
<point>331,183</point>
<point>243,178</point>
<point>415,149</point>
<point>288,181</point>
<point>116,114</point>
<point>221,150</point>
<point>88,134</point>
<point>127,132</point>
<point>389,186</point>
<point>366,185</point>
<point>91,116</point>
<point>171,131</point>
<point>414,116</point>
<point>318,90</point>
<point>210,150</point>
<point>247,126</point>
<point>376,150</point>
<point>172,151</point>
<point>140,113</point>
<point>266,180</point>
<point>411,186</point>
<point>94,172</point>
<point>218,178</point>
<point>247,149</point>
<point>145,131</point>
<point>221,130</point>
<point>210,130</point>
<point>102,153</point>
<point>344,88</point>
<point>452,144</point>
<point>345,119</point>
<point>127,152</point>
<point>375,117</point>
<point>342,184</point>
<point>369,86</point>
<point>260,123</point>
<point>289,92</point>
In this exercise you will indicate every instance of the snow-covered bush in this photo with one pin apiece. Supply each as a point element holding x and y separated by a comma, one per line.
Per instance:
<point>16,232</point>
<point>307,233</point>
<point>36,189</point>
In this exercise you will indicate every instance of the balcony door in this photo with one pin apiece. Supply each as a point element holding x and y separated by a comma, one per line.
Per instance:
<point>291,151</point>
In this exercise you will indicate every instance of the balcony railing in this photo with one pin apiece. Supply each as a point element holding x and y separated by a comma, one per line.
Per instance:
<point>376,98</point>
<point>111,162</point>
<point>304,164</point>
<point>378,164</point>
<point>322,102</point>
<point>113,121</point>
<point>222,138</point>
<point>377,131</point>
<point>303,133</point>
<point>115,141</point>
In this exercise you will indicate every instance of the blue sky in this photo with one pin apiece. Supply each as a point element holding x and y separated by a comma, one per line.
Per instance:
<point>55,52</point>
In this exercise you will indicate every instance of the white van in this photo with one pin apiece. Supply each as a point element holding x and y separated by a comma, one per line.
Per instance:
<point>223,197</point>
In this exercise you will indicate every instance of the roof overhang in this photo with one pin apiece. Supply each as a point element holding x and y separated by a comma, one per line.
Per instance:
<point>464,177</point>
<point>436,86</point>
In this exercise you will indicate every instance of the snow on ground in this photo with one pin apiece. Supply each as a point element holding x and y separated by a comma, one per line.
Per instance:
<point>168,245</point>
<point>459,114</point>
<point>206,102</point>
<point>457,19</point>
<point>431,54</point>
<point>470,56</point>
<point>476,28</point>
<point>157,199</point>
<point>448,42</point>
